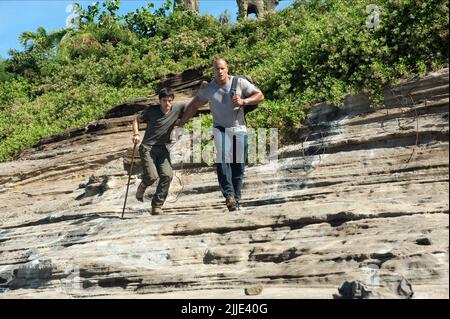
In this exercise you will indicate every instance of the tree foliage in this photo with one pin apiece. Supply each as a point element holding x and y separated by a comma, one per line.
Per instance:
<point>312,51</point>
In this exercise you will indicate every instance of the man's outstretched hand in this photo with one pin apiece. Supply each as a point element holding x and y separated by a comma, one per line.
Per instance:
<point>204,84</point>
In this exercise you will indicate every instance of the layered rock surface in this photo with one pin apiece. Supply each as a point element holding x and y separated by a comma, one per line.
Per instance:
<point>362,195</point>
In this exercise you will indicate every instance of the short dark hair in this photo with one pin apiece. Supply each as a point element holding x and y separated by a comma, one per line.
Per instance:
<point>219,58</point>
<point>166,92</point>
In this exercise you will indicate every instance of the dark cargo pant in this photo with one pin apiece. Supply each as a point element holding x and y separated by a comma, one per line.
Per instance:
<point>156,163</point>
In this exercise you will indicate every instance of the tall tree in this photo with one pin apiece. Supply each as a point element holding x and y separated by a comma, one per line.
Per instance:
<point>186,5</point>
<point>41,40</point>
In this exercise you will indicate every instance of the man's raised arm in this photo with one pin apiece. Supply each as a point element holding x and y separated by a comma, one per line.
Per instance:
<point>191,109</point>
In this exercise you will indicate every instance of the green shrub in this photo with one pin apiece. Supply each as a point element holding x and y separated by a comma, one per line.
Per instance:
<point>310,52</point>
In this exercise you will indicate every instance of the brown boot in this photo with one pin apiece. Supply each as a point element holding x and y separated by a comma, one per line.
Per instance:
<point>231,203</point>
<point>141,191</point>
<point>156,210</point>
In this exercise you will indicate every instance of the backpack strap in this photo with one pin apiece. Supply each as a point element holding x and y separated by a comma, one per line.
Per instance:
<point>234,85</point>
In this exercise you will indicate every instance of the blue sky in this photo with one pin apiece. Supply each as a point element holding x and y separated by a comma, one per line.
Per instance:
<point>17,16</point>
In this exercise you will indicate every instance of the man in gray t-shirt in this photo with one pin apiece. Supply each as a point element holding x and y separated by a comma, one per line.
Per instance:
<point>155,156</point>
<point>223,110</point>
<point>230,136</point>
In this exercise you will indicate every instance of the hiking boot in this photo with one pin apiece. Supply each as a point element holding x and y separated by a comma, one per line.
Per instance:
<point>156,210</point>
<point>231,203</point>
<point>140,192</point>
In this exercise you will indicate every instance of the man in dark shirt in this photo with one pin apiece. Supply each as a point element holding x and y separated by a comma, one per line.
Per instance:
<point>154,153</point>
<point>229,123</point>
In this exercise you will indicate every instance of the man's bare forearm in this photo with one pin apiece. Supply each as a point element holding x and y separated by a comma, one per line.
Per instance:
<point>191,110</point>
<point>255,98</point>
<point>135,126</point>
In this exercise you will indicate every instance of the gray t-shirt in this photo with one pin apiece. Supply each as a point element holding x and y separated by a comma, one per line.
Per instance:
<point>159,125</point>
<point>221,103</point>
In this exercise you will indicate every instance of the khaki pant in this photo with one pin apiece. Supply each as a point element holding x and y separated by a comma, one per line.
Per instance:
<point>156,163</point>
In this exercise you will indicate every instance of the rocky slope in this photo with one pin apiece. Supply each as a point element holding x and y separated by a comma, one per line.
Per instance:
<point>362,195</point>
